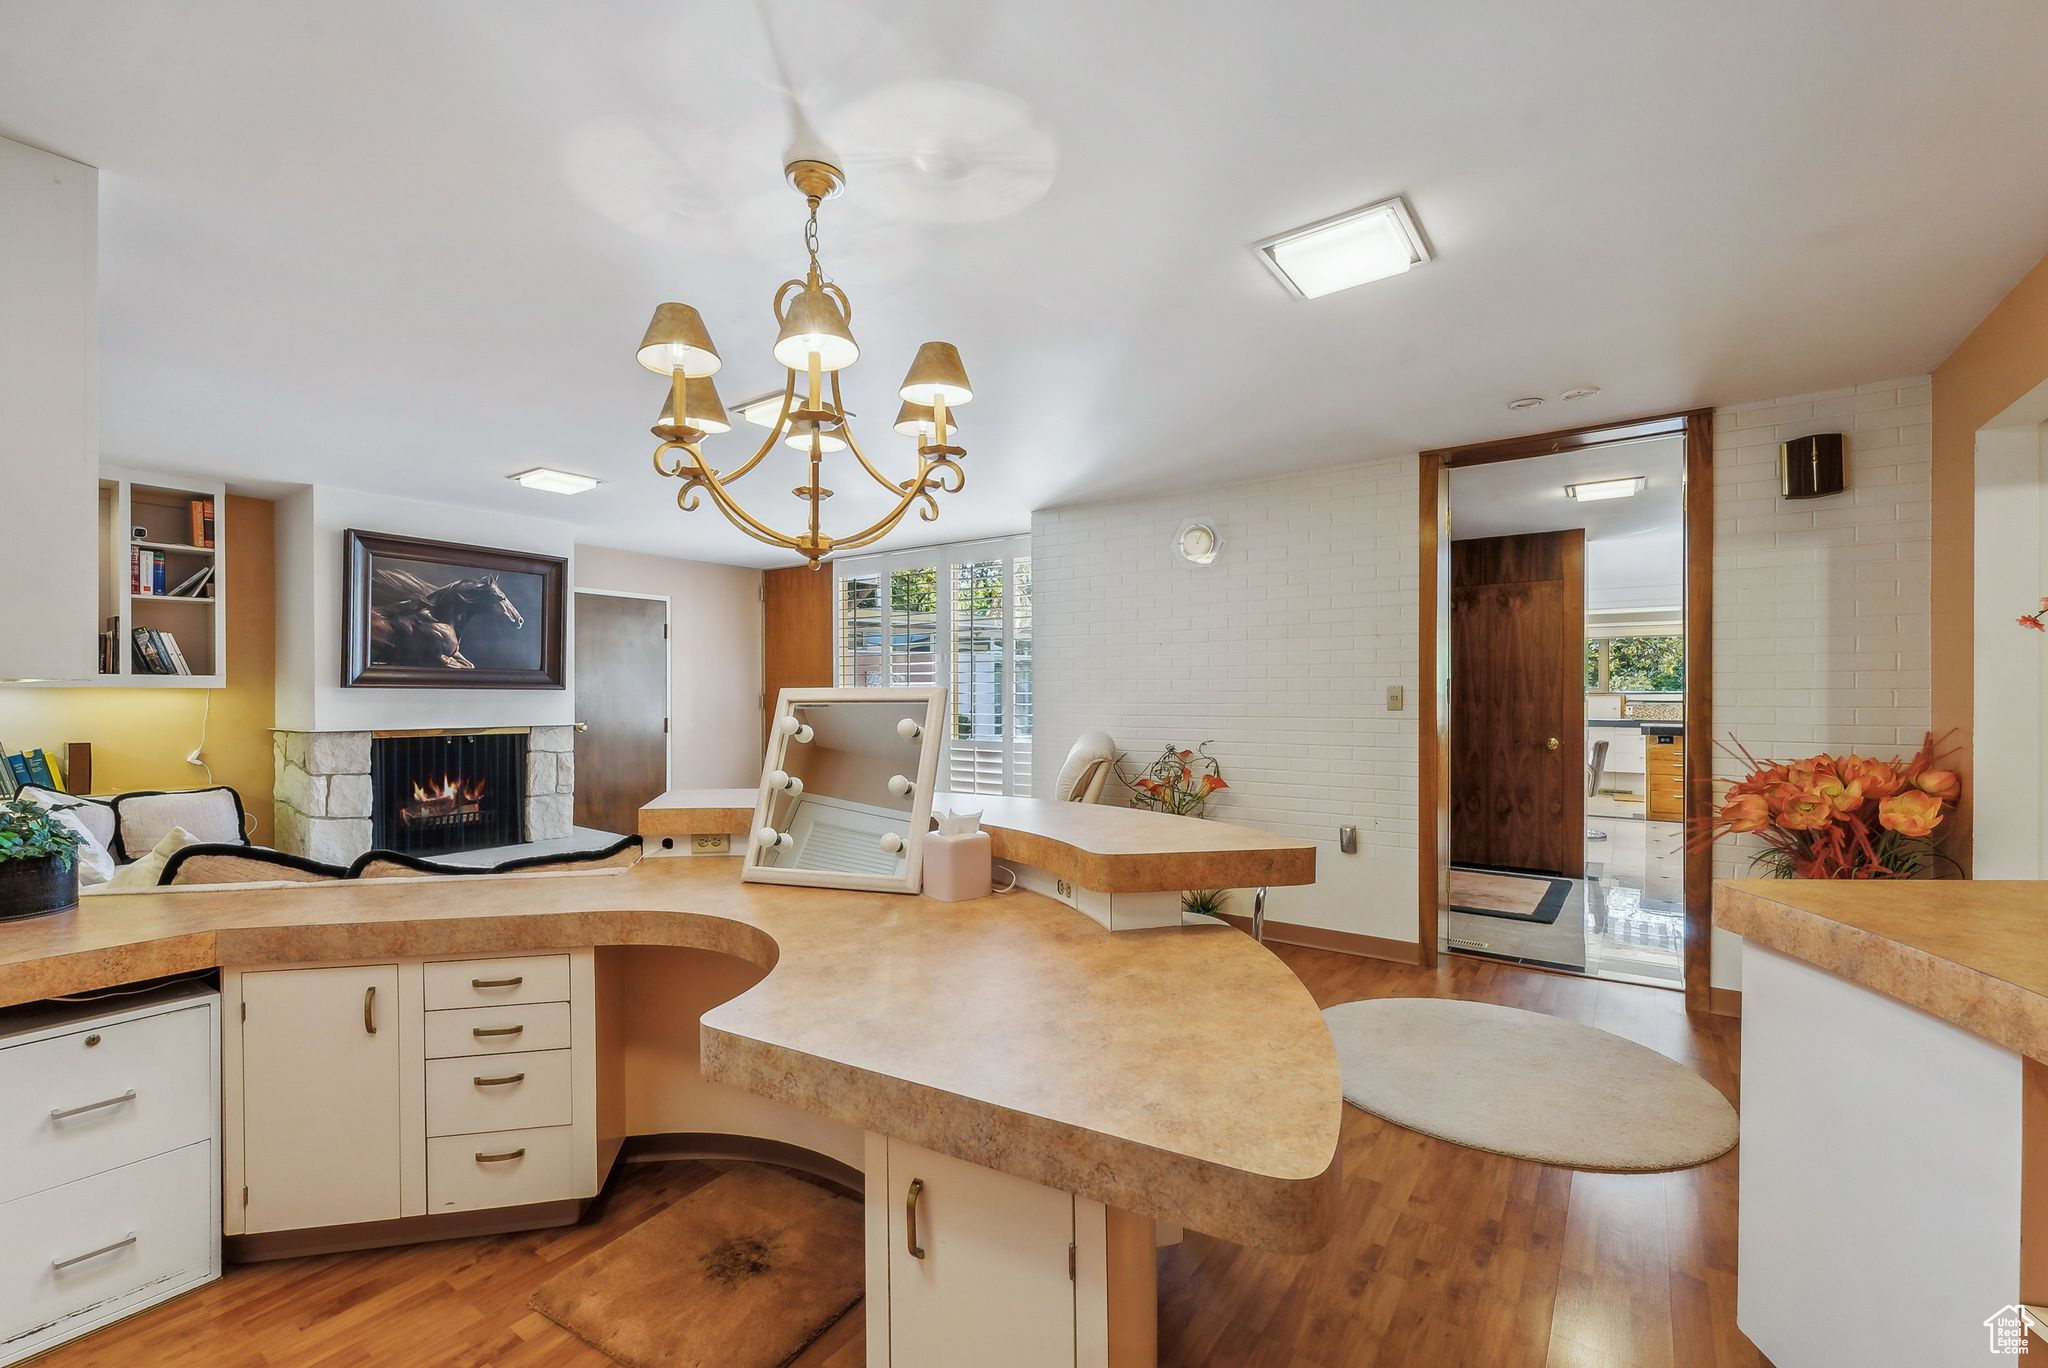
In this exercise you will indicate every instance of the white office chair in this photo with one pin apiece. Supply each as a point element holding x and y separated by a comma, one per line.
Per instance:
<point>1086,772</point>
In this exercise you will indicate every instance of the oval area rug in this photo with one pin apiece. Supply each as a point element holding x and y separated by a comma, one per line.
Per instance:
<point>1527,1085</point>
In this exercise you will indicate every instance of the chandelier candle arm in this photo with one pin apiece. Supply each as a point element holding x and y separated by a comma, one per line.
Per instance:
<point>814,340</point>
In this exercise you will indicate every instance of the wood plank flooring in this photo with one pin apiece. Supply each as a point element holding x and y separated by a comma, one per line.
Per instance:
<point>1444,1256</point>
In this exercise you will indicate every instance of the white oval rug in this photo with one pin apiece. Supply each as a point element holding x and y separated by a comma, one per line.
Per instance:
<point>1527,1085</point>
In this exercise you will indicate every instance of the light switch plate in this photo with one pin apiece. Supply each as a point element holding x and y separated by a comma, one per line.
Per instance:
<point>1347,840</point>
<point>1396,698</point>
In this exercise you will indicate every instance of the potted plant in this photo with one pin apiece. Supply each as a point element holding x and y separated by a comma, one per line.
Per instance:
<point>38,861</point>
<point>1840,817</point>
<point>1179,781</point>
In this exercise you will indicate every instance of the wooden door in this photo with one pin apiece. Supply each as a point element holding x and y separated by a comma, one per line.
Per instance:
<point>622,701</point>
<point>992,1288</point>
<point>796,635</point>
<point>1518,702</point>
<point>321,1112</point>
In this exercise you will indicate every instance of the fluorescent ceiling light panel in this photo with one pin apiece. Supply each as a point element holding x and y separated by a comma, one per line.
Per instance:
<point>1352,248</point>
<point>556,481</point>
<point>762,412</point>
<point>1625,488</point>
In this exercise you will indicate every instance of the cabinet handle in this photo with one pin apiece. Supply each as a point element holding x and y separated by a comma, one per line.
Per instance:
<point>61,1264</point>
<point>370,1009</point>
<point>485,1032</point>
<point>61,1113</point>
<point>500,1082</point>
<point>512,982</point>
<point>910,1218</point>
<point>506,1157</point>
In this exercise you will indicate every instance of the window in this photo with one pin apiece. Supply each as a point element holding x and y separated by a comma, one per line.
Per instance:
<point>1636,664</point>
<point>958,616</point>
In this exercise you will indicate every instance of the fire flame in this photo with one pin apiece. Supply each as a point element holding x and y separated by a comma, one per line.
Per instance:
<point>449,789</point>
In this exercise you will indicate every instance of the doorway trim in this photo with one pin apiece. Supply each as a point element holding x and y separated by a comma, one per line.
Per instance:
<point>1433,790</point>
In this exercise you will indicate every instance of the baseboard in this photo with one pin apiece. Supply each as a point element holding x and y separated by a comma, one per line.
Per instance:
<point>1343,942</point>
<point>1724,1001</point>
<point>654,1149</point>
<point>403,1230</point>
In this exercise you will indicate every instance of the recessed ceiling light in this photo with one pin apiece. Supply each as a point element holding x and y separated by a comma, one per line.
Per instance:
<point>1527,401</point>
<point>1351,248</point>
<point>1582,392</point>
<point>1625,488</point>
<point>763,411</point>
<point>556,481</point>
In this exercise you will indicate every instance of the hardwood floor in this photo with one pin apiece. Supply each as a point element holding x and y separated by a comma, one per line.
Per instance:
<point>1443,1256</point>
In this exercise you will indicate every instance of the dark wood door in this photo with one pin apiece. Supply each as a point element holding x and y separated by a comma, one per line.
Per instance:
<point>622,700</point>
<point>1518,702</point>
<point>796,635</point>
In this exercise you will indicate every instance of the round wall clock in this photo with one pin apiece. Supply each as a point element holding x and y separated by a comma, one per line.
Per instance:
<point>1197,541</point>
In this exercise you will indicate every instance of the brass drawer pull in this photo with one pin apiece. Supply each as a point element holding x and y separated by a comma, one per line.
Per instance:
<point>486,1032</point>
<point>512,982</point>
<point>504,1158</point>
<point>500,1082</point>
<point>64,1113</point>
<point>910,1218</point>
<point>370,1009</point>
<point>60,1265</point>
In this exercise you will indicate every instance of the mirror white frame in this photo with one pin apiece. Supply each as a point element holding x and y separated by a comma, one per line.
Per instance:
<point>928,703</point>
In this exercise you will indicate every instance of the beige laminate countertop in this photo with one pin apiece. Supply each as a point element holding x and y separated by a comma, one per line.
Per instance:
<point>1184,1074</point>
<point>1109,849</point>
<point>1972,953</point>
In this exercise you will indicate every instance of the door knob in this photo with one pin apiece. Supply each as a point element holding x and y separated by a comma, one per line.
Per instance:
<point>1551,744</point>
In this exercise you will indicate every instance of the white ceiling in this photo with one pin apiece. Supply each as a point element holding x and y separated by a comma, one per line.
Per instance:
<point>411,246</point>
<point>1635,547</point>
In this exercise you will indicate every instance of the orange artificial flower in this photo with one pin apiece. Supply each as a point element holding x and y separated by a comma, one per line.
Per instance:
<point>1874,778</point>
<point>1912,813</point>
<point>1946,785</point>
<point>1746,812</point>
<point>1843,796</point>
<point>1801,807</point>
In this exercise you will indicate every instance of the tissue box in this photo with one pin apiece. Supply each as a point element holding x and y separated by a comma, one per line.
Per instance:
<point>957,868</point>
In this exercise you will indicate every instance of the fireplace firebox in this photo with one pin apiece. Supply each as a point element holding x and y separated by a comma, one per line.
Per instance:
<point>430,795</point>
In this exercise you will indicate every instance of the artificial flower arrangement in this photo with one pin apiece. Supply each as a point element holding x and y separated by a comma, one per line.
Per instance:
<point>1179,781</point>
<point>1840,817</point>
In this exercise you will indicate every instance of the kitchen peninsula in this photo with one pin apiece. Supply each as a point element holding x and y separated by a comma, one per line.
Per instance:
<point>1894,1117</point>
<point>1006,1041</point>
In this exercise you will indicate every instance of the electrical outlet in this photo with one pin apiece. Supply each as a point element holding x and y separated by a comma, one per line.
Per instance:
<point>1396,698</point>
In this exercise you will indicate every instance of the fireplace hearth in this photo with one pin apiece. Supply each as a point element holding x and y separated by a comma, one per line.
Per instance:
<point>431,795</point>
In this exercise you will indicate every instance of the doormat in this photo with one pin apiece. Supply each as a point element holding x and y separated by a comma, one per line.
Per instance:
<point>743,1273</point>
<point>1507,894</point>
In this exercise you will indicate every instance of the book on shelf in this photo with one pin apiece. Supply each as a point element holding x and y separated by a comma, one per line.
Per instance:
<point>193,585</point>
<point>44,767</point>
<point>17,765</point>
<point>149,656</point>
<point>168,641</point>
<point>202,522</point>
<point>156,572</point>
<point>9,785</point>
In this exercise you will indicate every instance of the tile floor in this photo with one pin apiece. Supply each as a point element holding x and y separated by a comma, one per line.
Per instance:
<point>1624,920</point>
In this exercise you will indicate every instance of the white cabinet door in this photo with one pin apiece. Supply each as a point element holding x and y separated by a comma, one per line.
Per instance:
<point>992,1288</point>
<point>320,1097</point>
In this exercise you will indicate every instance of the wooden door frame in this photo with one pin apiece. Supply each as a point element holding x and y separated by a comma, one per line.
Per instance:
<point>668,669</point>
<point>1433,792</point>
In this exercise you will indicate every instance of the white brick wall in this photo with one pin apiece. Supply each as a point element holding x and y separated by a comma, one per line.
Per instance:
<point>1821,608</point>
<point>1281,651</point>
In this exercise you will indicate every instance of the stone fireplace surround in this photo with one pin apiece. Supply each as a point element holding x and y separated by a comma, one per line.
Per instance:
<point>321,807</point>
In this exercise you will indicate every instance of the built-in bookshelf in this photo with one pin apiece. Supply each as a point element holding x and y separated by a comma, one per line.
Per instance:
<point>163,563</point>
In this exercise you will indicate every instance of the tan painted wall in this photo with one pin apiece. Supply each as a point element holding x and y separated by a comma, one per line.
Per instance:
<point>2001,360</point>
<point>140,736</point>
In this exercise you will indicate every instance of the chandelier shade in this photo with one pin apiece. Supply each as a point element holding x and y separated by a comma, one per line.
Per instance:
<point>917,420</point>
<point>815,323</point>
<point>677,340</point>
<point>702,410</point>
<point>936,374</point>
<point>813,343</point>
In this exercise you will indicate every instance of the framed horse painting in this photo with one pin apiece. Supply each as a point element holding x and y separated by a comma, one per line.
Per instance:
<point>439,615</point>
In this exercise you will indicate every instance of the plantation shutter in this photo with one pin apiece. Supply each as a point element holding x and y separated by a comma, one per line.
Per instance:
<point>958,616</point>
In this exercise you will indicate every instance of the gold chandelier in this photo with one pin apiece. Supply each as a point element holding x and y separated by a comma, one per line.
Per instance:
<point>815,344</point>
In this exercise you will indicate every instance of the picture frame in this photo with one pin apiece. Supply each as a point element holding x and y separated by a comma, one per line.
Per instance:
<point>422,614</point>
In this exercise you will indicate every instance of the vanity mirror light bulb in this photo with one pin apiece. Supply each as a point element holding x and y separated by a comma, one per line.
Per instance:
<point>899,785</point>
<point>892,844</point>
<point>770,839</point>
<point>909,730</point>
<point>787,782</point>
<point>794,729</point>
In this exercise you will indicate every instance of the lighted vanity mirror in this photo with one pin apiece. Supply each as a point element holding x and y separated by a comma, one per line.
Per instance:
<point>846,789</point>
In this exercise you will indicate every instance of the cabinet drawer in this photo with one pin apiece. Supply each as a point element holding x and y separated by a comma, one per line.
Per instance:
<point>467,1096</point>
<point>496,982</point>
<point>497,1030</point>
<point>500,1168</point>
<point>124,1238</point>
<point>95,1099</point>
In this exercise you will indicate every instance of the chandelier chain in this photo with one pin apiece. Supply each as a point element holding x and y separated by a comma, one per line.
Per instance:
<point>811,235</point>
